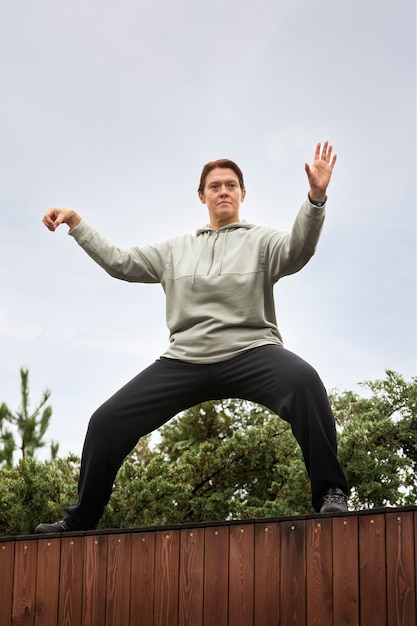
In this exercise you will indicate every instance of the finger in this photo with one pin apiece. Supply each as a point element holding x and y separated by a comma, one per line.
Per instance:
<point>317,152</point>
<point>47,220</point>
<point>51,219</point>
<point>48,223</point>
<point>328,148</point>
<point>326,151</point>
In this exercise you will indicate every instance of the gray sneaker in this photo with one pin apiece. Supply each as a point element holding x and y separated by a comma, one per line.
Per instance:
<point>334,501</point>
<point>57,527</point>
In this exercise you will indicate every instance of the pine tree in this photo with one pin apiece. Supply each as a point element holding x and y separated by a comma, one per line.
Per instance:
<point>23,430</point>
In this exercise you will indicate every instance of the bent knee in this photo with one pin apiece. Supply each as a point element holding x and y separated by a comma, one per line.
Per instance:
<point>101,418</point>
<point>308,378</point>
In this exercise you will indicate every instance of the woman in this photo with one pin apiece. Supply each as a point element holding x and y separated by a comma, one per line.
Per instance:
<point>224,338</point>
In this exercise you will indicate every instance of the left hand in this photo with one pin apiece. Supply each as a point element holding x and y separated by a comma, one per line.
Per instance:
<point>320,173</point>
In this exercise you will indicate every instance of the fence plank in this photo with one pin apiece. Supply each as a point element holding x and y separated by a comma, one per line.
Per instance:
<point>7,568</point>
<point>216,576</point>
<point>267,574</point>
<point>166,583</point>
<point>191,580</point>
<point>47,582</point>
<point>95,580</point>
<point>293,573</point>
<point>319,567</point>
<point>118,579</point>
<point>345,571</point>
<point>241,574</point>
<point>24,584</point>
<point>142,589</point>
<point>71,581</point>
<point>373,570</point>
<point>401,579</point>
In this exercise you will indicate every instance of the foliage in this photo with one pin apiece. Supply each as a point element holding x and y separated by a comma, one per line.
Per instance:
<point>378,441</point>
<point>223,467</point>
<point>33,491</point>
<point>23,430</point>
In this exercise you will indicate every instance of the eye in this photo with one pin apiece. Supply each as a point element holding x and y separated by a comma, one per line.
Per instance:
<point>232,185</point>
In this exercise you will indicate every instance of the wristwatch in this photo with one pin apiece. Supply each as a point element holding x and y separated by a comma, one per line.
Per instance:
<point>319,204</point>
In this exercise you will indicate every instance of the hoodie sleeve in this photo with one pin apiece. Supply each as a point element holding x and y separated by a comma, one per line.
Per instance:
<point>141,265</point>
<point>287,253</point>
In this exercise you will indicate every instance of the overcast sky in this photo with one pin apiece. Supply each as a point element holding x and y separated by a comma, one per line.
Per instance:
<point>113,108</point>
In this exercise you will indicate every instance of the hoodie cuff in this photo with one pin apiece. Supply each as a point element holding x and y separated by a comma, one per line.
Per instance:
<point>80,231</point>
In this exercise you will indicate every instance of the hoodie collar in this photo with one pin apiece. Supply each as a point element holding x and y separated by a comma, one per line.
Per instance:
<point>232,226</point>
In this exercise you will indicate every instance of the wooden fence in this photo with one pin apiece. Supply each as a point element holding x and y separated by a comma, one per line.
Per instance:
<point>321,570</point>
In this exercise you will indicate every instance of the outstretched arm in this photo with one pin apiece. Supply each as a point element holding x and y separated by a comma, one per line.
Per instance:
<point>54,217</point>
<point>320,172</point>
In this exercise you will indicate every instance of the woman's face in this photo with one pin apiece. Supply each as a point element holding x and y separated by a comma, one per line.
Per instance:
<point>222,195</point>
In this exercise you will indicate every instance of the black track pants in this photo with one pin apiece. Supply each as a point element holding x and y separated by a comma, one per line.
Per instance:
<point>269,375</point>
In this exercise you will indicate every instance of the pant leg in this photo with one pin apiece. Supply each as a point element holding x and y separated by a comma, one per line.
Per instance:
<point>141,406</point>
<point>291,388</point>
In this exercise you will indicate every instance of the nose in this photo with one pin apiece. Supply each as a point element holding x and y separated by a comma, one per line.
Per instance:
<point>223,190</point>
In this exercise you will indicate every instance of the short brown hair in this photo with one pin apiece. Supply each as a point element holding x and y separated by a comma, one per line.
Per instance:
<point>225,163</point>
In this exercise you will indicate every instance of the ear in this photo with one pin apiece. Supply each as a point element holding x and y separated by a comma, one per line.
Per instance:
<point>202,197</point>
<point>243,195</point>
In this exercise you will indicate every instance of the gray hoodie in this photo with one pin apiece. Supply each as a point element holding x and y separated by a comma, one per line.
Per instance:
<point>218,284</point>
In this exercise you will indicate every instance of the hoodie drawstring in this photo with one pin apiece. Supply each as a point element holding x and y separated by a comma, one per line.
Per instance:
<point>223,251</point>
<point>198,259</point>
